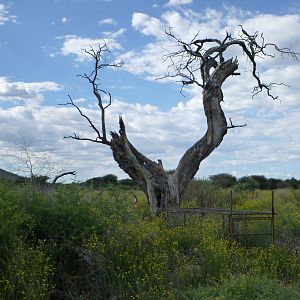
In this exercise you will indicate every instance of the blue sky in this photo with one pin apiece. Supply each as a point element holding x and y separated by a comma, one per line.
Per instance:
<point>40,58</point>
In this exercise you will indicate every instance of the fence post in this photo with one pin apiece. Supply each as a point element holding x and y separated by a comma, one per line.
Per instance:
<point>230,222</point>
<point>273,220</point>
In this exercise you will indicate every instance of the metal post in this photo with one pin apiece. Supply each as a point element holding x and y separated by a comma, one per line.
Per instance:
<point>223,226</point>
<point>273,220</point>
<point>246,229</point>
<point>237,229</point>
<point>201,198</point>
<point>230,222</point>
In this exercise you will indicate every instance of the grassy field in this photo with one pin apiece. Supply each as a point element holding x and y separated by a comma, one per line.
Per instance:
<point>79,243</point>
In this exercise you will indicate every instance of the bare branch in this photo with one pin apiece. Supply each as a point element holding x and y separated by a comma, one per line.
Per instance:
<point>61,175</point>
<point>77,137</point>
<point>201,62</point>
<point>98,139</point>
<point>201,55</point>
<point>99,57</point>
<point>234,126</point>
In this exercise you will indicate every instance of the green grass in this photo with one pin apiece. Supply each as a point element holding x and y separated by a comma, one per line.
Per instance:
<point>78,243</point>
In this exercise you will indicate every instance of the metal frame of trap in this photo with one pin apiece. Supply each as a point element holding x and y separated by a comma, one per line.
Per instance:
<point>234,218</point>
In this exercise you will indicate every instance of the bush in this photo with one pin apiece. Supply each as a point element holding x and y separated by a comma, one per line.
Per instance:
<point>245,287</point>
<point>103,181</point>
<point>223,180</point>
<point>28,273</point>
<point>74,242</point>
<point>202,193</point>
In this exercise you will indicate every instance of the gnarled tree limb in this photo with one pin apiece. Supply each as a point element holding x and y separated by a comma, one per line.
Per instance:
<point>201,62</point>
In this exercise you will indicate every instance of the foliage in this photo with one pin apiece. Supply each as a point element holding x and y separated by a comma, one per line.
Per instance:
<point>293,183</point>
<point>248,183</point>
<point>97,182</point>
<point>203,193</point>
<point>74,242</point>
<point>262,181</point>
<point>244,287</point>
<point>223,180</point>
<point>109,180</point>
<point>253,182</point>
<point>28,273</point>
<point>127,183</point>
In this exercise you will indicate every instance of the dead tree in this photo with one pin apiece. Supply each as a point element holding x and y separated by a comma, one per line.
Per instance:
<point>62,175</point>
<point>34,164</point>
<point>201,62</point>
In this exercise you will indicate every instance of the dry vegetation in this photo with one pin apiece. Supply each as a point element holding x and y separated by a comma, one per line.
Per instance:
<point>75,242</point>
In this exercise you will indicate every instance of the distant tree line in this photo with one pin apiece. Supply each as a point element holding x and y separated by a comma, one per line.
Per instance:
<point>252,182</point>
<point>223,180</point>
<point>109,180</point>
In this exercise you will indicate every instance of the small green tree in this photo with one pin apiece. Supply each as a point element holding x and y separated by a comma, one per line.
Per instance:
<point>248,183</point>
<point>274,183</point>
<point>293,183</point>
<point>103,181</point>
<point>223,180</point>
<point>262,180</point>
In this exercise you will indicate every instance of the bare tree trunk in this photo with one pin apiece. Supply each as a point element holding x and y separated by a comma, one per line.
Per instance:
<point>62,175</point>
<point>164,190</point>
<point>202,63</point>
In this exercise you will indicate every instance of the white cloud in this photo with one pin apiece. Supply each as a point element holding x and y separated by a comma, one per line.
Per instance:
<point>51,123</point>
<point>172,132</point>
<point>147,25</point>
<point>271,124</point>
<point>178,2</point>
<point>186,24</point>
<point>64,20</point>
<point>74,45</point>
<point>30,92</point>
<point>5,15</point>
<point>116,34</point>
<point>147,62</point>
<point>275,28</point>
<point>271,135</point>
<point>108,21</point>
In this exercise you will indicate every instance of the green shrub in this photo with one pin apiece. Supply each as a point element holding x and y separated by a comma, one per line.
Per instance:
<point>105,245</point>
<point>27,274</point>
<point>244,287</point>
<point>202,193</point>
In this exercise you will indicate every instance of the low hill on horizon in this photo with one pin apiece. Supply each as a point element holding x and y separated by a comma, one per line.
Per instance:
<point>8,175</point>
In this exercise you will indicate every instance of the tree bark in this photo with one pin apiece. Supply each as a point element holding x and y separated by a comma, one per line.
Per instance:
<point>202,63</point>
<point>164,190</point>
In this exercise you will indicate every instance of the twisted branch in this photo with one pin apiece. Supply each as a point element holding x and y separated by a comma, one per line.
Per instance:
<point>204,54</point>
<point>98,56</point>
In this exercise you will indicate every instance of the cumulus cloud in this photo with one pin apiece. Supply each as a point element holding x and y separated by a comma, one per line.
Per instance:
<point>49,124</point>
<point>186,24</point>
<point>178,2</point>
<point>64,20</point>
<point>116,34</point>
<point>29,92</point>
<point>108,21</point>
<point>5,15</point>
<point>170,132</point>
<point>74,45</point>
<point>267,120</point>
<point>147,25</point>
<point>147,62</point>
<point>272,127</point>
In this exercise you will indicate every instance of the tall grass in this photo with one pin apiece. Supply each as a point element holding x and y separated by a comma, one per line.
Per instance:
<point>78,243</point>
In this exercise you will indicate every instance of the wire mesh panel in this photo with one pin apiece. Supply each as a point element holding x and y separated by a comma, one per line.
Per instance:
<point>245,226</point>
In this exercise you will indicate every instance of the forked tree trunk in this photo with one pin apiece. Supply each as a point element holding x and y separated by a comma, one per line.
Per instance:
<point>164,190</point>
